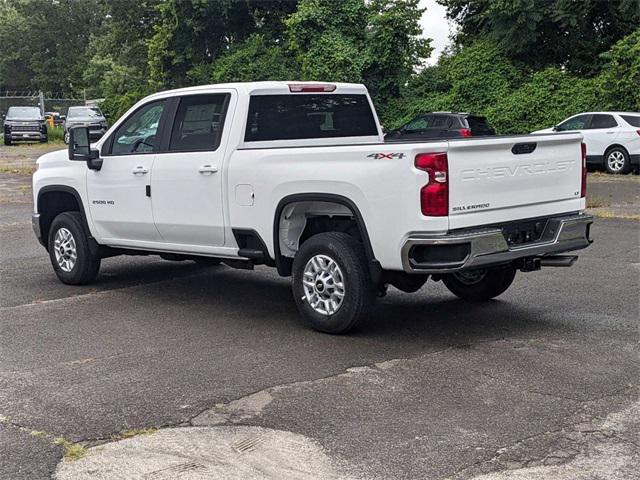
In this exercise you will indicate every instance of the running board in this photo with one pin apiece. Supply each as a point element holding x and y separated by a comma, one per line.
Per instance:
<point>558,260</point>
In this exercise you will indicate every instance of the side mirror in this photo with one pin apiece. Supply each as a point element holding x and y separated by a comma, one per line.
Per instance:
<point>555,128</point>
<point>80,148</point>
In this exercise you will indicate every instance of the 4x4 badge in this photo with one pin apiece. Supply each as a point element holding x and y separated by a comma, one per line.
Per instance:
<point>390,156</point>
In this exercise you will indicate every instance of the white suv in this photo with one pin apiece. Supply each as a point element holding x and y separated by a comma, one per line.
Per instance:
<point>612,138</point>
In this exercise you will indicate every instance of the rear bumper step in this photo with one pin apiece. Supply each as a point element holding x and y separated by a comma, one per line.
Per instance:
<point>485,247</point>
<point>558,260</point>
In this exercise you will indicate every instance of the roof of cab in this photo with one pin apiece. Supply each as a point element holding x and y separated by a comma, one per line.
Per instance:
<point>262,88</point>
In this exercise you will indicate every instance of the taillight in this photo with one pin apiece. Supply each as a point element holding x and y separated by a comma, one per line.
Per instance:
<point>465,132</point>
<point>434,196</point>
<point>311,87</point>
<point>583,190</point>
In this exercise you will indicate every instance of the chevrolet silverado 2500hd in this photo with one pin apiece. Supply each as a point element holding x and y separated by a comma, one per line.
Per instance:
<point>296,175</point>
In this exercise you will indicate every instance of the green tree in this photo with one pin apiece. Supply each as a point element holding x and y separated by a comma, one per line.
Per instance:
<point>327,39</point>
<point>565,33</point>
<point>548,97</point>
<point>480,75</point>
<point>118,69</point>
<point>191,35</point>
<point>620,78</point>
<point>394,47</point>
<point>258,58</point>
<point>43,43</point>
<point>377,43</point>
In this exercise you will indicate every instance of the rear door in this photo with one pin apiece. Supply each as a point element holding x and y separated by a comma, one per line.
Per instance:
<point>186,184</point>
<point>500,179</point>
<point>600,134</point>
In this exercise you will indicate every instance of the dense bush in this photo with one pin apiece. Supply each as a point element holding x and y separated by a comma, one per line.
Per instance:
<point>481,79</point>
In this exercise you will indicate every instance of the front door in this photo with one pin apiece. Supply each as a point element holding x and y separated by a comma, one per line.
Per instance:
<point>118,202</point>
<point>186,185</point>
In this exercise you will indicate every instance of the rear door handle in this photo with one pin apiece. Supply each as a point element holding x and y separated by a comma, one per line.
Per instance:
<point>140,170</point>
<point>207,169</point>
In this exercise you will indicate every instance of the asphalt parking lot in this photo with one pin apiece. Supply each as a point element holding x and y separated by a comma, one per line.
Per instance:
<point>169,370</point>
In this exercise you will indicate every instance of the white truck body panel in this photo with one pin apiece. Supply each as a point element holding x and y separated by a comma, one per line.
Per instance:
<point>195,212</point>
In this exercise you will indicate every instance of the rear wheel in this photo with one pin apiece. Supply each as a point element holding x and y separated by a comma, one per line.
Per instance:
<point>617,160</point>
<point>331,282</point>
<point>480,284</point>
<point>69,251</point>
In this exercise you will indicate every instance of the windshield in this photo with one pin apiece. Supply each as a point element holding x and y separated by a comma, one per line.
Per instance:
<point>24,113</point>
<point>84,112</point>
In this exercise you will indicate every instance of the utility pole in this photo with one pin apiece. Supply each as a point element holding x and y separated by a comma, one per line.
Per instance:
<point>41,97</point>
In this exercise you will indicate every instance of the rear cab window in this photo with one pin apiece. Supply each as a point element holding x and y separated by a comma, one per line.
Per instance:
<point>309,116</point>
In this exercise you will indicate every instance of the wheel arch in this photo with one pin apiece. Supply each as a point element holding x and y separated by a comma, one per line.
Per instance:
<point>55,199</point>
<point>612,146</point>
<point>283,263</point>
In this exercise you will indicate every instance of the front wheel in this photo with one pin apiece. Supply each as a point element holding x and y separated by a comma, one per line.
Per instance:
<point>66,137</point>
<point>617,161</point>
<point>481,284</point>
<point>69,251</point>
<point>331,282</point>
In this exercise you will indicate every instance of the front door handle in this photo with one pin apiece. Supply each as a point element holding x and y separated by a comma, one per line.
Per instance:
<point>140,170</point>
<point>207,169</point>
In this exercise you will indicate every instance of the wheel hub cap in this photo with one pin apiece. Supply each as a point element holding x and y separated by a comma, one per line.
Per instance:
<point>323,284</point>
<point>616,161</point>
<point>65,250</point>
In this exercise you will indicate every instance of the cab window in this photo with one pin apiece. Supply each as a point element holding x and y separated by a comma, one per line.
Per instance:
<point>138,133</point>
<point>603,121</point>
<point>198,123</point>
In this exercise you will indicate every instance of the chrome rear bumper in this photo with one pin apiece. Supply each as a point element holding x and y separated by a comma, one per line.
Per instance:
<point>483,247</point>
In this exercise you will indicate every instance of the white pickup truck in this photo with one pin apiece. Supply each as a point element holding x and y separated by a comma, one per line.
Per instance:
<point>296,175</point>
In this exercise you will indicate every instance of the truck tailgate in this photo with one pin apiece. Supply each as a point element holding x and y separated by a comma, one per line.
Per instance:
<point>506,178</point>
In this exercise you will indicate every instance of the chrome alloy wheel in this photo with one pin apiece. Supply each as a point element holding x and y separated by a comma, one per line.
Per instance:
<point>65,249</point>
<point>615,160</point>
<point>470,277</point>
<point>323,284</point>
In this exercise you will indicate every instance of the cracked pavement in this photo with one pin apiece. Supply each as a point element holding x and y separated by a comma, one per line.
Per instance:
<point>540,384</point>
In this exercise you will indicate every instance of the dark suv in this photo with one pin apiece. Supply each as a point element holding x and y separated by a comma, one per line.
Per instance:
<point>441,125</point>
<point>90,117</point>
<point>24,124</point>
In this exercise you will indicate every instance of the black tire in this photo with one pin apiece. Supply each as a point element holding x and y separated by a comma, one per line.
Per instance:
<point>87,265</point>
<point>358,291</point>
<point>7,140</point>
<point>207,261</point>
<point>489,283</point>
<point>65,137</point>
<point>44,140</point>
<point>617,161</point>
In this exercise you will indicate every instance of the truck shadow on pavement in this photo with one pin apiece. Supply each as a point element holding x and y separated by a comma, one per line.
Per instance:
<point>262,300</point>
